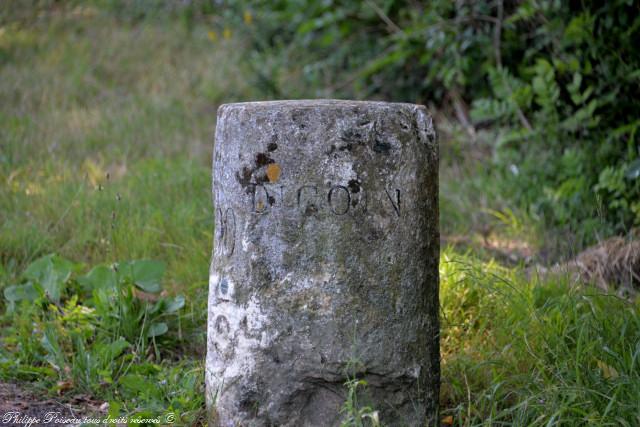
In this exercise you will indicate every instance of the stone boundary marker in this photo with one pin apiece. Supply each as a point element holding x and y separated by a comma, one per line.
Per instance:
<point>325,263</point>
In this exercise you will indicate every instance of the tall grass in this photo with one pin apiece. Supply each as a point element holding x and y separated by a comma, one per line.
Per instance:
<point>106,135</point>
<point>106,129</point>
<point>526,352</point>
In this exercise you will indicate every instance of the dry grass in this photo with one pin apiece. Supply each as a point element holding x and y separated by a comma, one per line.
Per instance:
<point>612,265</point>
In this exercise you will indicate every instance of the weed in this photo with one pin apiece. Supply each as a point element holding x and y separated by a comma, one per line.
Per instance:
<point>355,414</point>
<point>99,333</point>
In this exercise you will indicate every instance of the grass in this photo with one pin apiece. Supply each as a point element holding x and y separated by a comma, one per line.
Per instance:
<point>106,133</point>
<point>524,352</point>
<point>106,147</point>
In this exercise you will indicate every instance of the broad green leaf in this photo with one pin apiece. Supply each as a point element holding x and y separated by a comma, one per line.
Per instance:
<point>157,329</point>
<point>38,268</point>
<point>175,304</point>
<point>100,277</point>
<point>105,375</point>
<point>21,292</point>
<point>578,29</point>
<point>114,409</point>
<point>147,274</point>
<point>51,272</point>
<point>124,271</point>
<point>55,356</point>
<point>117,347</point>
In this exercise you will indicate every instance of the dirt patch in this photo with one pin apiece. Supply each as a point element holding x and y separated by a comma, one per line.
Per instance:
<point>507,251</point>
<point>20,407</point>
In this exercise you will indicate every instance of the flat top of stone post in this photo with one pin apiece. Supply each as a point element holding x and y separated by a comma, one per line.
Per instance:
<point>416,113</point>
<point>317,103</point>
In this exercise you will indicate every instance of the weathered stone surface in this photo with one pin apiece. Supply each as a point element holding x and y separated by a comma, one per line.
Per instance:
<point>325,254</point>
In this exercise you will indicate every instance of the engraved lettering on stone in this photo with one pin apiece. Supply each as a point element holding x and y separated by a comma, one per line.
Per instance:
<point>222,325</point>
<point>283,199</point>
<point>309,199</point>
<point>360,200</point>
<point>226,231</point>
<point>395,203</point>
<point>339,199</point>
<point>307,203</point>
<point>260,198</point>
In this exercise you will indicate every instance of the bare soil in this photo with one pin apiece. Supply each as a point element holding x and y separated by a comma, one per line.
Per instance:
<point>20,407</point>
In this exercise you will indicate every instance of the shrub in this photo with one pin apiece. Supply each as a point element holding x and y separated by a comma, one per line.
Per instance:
<point>556,81</point>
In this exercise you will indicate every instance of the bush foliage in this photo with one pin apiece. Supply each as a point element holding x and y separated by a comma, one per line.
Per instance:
<point>557,82</point>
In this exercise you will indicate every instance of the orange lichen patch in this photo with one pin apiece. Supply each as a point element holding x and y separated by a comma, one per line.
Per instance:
<point>273,172</point>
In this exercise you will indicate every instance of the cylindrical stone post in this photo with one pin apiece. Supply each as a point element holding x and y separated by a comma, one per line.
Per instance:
<point>325,264</point>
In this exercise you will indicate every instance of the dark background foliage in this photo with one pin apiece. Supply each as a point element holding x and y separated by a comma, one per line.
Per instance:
<point>557,84</point>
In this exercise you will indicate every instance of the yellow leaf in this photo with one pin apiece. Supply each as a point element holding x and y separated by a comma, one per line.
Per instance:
<point>212,36</point>
<point>448,420</point>
<point>608,372</point>
<point>248,18</point>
